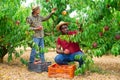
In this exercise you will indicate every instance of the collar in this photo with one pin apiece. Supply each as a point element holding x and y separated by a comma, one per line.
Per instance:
<point>35,16</point>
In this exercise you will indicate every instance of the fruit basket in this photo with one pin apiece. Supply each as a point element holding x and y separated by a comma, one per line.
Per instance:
<point>62,71</point>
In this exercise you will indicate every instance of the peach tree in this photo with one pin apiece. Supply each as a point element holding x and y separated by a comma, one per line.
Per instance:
<point>14,32</point>
<point>61,14</point>
<point>98,23</point>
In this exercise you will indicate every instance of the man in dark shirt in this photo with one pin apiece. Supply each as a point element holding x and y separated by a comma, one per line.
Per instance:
<point>67,50</point>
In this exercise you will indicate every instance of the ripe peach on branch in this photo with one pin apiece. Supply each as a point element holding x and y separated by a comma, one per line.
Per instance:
<point>17,22</point>
<point>64,12</point>
<point>94,45</point>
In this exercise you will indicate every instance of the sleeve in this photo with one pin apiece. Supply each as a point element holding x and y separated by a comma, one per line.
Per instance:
<point>28,20</point>
<point>46,18</point>
<point>75,32</point>
<point>72,32</point>
<point>58,41</point>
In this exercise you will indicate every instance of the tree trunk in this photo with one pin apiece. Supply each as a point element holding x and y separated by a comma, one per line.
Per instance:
<point>3,52</point>
<point>1,60</point>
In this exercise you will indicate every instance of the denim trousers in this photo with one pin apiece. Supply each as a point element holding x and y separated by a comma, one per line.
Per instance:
<point>40,43</point>
<point>64,59</point>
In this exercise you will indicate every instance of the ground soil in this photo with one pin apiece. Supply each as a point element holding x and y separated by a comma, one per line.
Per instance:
<point>107,68</point>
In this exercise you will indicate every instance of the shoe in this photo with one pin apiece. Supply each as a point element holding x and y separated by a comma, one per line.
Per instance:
<point>37,62</point>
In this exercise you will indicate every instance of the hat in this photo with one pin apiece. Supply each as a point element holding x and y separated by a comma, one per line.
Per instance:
<point>60,24</point>
<point>34,8</point>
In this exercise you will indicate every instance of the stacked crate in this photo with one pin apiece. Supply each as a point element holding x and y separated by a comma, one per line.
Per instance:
<point>41,67</point>
<point>62,71</point>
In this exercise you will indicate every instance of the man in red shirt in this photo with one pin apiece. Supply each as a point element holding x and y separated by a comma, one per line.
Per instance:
<point>67,50</point>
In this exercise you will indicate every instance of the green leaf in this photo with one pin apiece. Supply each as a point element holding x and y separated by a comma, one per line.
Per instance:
<point>24,61</point>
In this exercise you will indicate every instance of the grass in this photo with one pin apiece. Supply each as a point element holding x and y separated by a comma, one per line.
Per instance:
<point>99,70</point>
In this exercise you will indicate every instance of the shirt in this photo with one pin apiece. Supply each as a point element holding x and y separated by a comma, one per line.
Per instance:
<point>36,21</point>
<point>71,46</point>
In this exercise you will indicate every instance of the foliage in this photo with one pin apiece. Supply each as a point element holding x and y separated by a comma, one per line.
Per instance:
<point>97,22</point>
<point>61,14</point>
<point>13,30</point>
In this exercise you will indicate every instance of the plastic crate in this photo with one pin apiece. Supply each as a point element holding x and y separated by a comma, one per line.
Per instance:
<point>62,71</point>
<point>41,67</point>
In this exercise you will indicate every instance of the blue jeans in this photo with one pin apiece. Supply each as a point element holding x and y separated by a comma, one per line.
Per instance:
<point>40,43</point>
<point>63,59</point>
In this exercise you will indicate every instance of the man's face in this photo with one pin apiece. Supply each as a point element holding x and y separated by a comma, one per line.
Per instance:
<point>64,29</point>
<point>37,11</point>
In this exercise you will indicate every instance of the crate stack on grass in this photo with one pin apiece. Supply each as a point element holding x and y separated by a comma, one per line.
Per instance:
<point>61,71</point>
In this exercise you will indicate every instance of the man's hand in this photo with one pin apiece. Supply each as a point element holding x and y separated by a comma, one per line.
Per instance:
<point>53,10</point>
<point>39,28</point>
<point>66,51</point>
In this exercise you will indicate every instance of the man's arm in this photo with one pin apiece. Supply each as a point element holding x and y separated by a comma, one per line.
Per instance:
<point>36,29</point>
<point>58,49</point>
<point>52,12</point>
<point>29,21</point>
<point>46,18</point>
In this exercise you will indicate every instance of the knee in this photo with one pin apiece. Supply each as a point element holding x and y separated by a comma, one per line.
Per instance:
<point>80,59</point>
<point>58,59</point>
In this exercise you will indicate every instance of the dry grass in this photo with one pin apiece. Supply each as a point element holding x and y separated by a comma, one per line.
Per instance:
<point>108,68</point>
